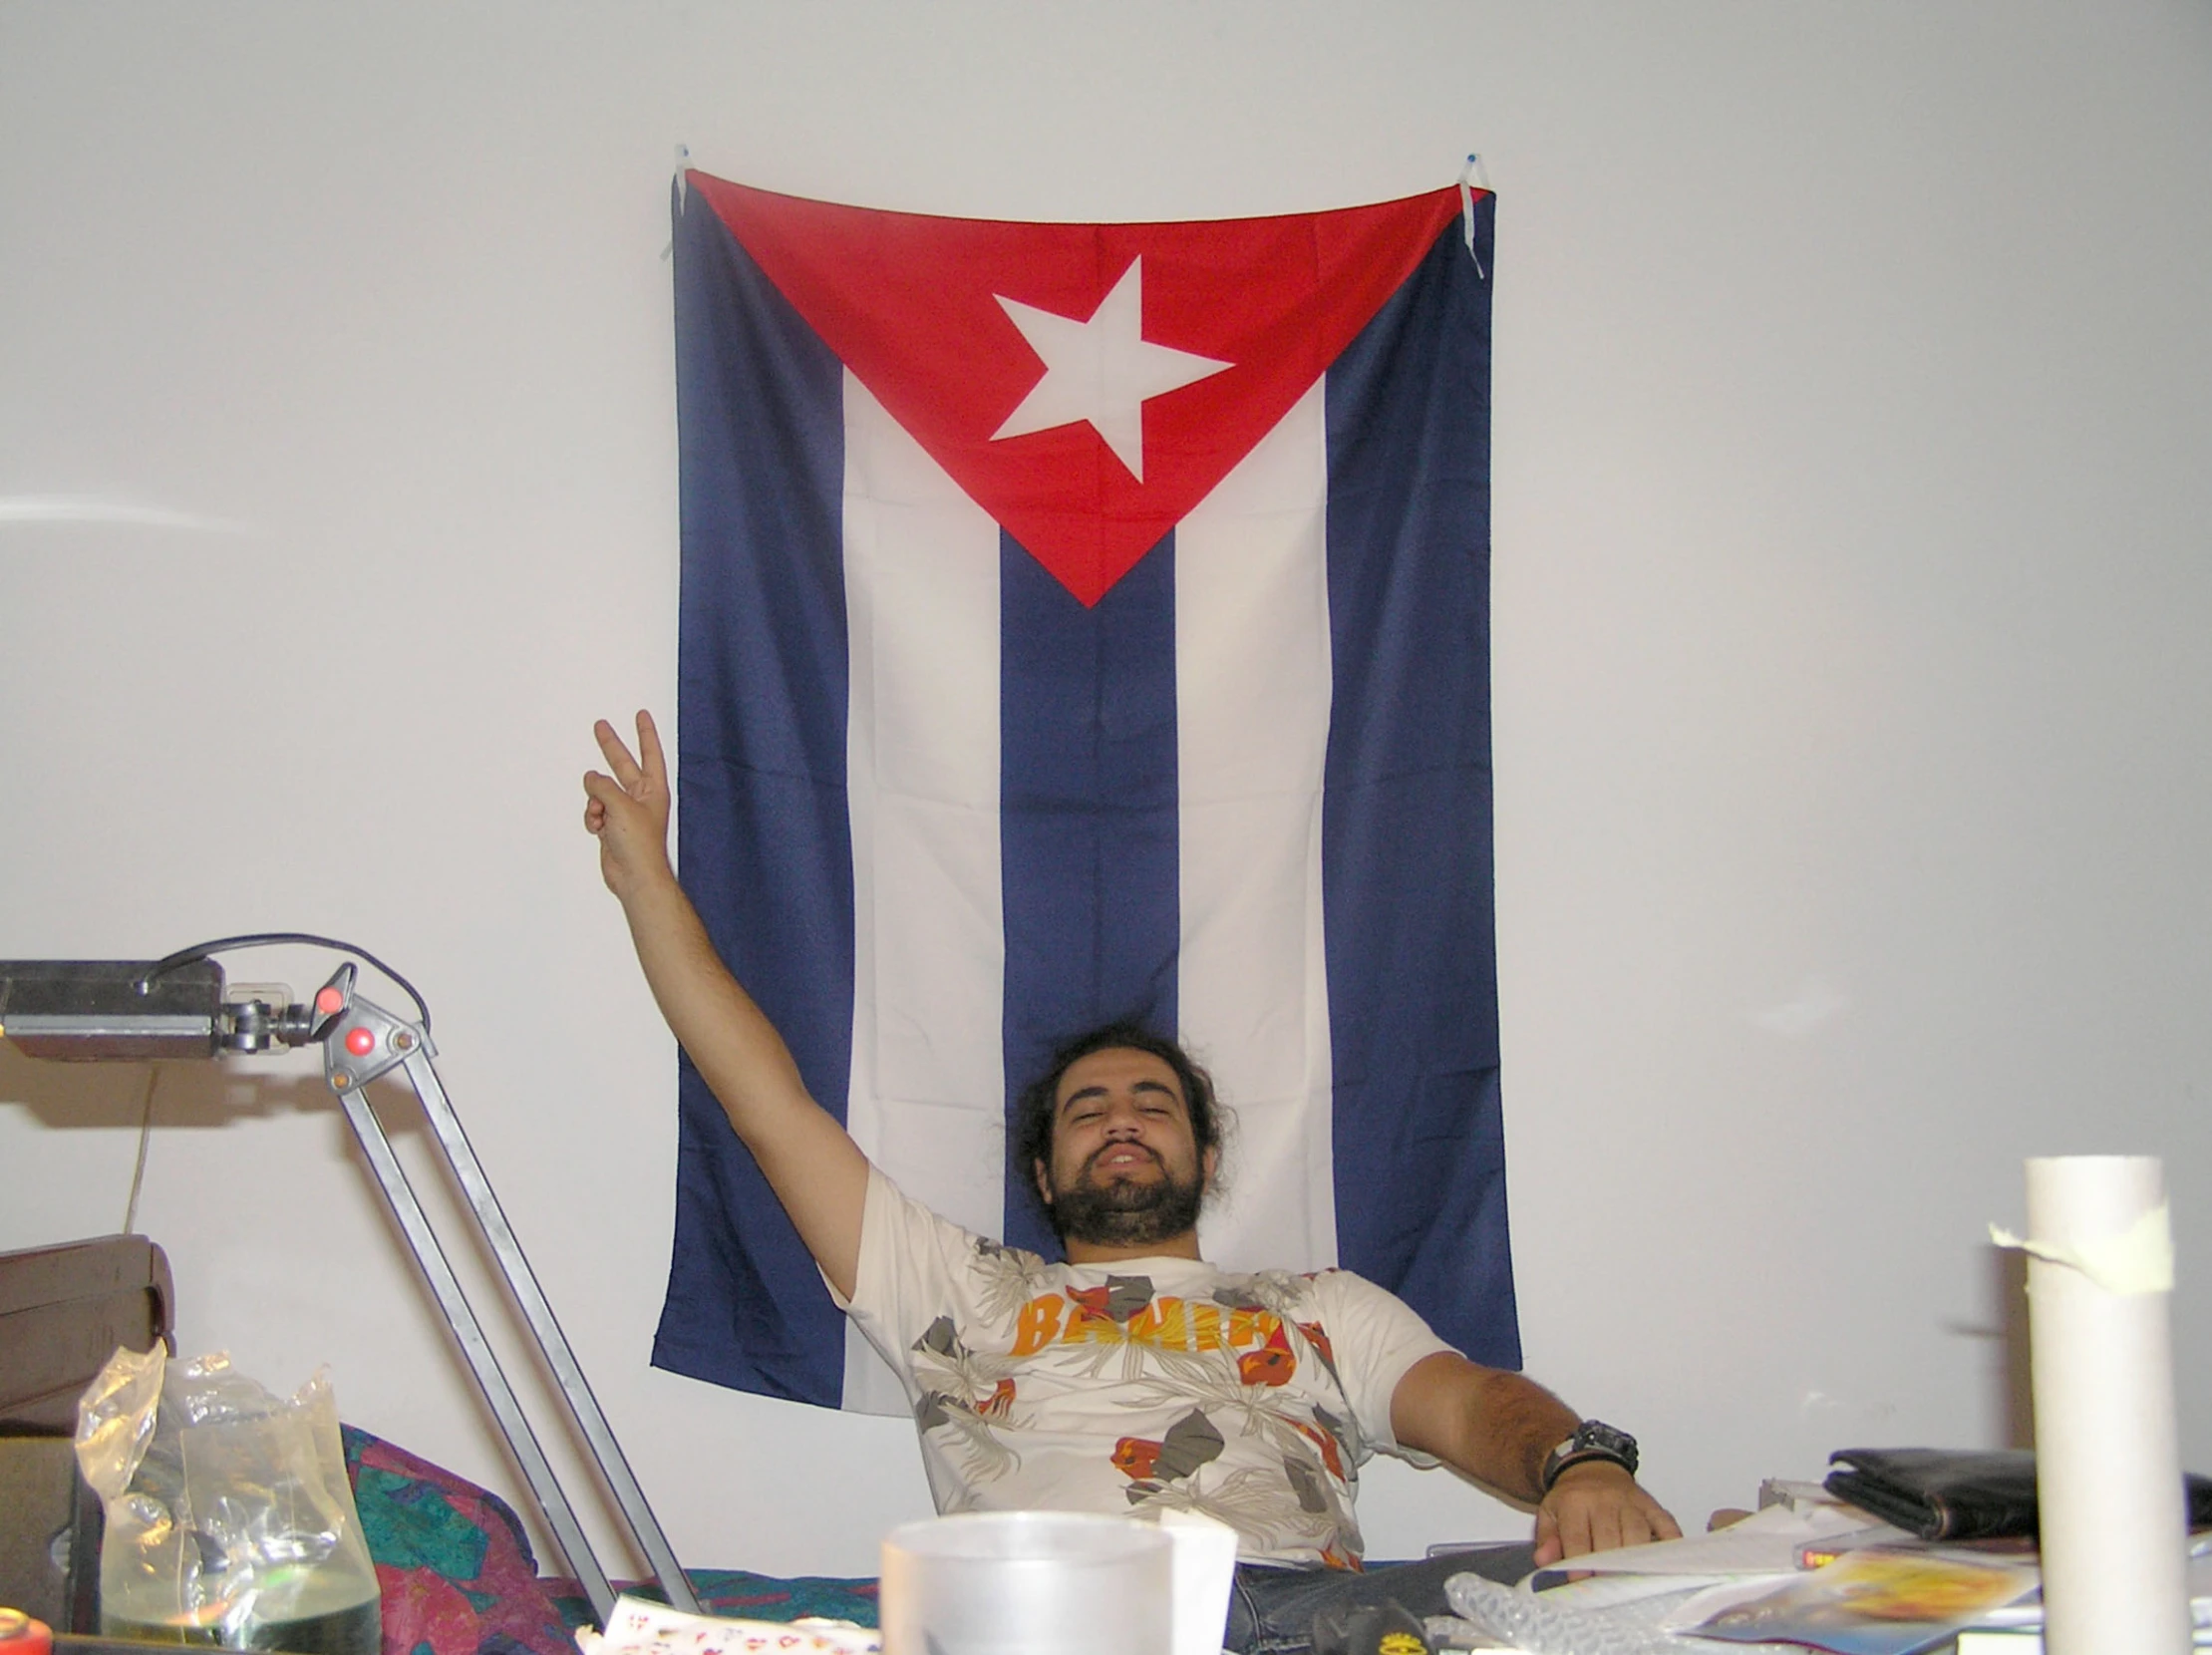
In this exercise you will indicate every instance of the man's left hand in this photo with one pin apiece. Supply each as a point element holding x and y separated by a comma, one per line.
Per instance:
<point>1596,1507</point>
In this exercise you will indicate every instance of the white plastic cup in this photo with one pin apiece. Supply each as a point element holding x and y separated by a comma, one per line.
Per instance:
<point>1028,1583</point>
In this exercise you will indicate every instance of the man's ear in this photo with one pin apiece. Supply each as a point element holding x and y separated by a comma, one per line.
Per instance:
<point>1208,1163</point>
<point>1044,1182</point>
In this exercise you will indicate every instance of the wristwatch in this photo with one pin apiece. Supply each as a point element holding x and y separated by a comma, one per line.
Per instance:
<point>1592,1440</point>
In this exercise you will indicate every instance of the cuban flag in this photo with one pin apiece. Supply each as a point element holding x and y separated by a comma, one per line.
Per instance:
<point>1082,621</point>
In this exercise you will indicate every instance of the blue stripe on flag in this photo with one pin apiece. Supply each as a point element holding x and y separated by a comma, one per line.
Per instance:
<point>765,849</point>
<point>1407,870</point>
<point>1087,818</point>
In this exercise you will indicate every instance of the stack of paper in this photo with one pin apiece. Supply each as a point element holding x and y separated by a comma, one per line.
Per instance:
<point>638,1626</point>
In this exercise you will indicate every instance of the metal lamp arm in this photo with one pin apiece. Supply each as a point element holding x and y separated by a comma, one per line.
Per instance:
<point>362,1042</point>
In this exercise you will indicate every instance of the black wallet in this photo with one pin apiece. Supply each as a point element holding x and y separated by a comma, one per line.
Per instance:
<point>1961,1493</point>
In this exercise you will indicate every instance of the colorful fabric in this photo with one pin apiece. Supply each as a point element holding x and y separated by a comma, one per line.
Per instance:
<point>1084,621</point>
<point>452,1562</point>
<point>454,1569</point>
<point>1156,1383</point>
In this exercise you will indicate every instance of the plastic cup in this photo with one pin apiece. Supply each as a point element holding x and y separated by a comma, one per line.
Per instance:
<point>1028,1583</point>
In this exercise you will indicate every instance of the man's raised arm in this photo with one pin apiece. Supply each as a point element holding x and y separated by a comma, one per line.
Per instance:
<point>817,1171</point>
<point>1499,1427</point>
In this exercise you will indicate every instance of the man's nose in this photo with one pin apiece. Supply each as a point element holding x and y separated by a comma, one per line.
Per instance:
<point>1122,1121</point>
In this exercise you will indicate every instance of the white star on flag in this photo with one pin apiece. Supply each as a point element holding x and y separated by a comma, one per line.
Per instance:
<point>1102,370</point>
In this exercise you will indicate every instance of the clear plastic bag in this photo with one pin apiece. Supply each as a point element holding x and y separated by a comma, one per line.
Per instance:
<point>229,1519</point>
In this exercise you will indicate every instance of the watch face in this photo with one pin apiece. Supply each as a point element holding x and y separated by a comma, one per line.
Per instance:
<point>1595,1437</point>
<point>1592,1440</point>
<point>1598,1435</point>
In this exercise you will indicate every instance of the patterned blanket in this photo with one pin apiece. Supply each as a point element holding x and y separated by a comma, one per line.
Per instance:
<point>458,1577</point>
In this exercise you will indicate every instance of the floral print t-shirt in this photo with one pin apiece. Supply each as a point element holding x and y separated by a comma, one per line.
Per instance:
<point>1146,1384</point>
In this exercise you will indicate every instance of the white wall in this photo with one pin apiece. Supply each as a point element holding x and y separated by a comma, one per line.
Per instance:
<point>1853,389</point>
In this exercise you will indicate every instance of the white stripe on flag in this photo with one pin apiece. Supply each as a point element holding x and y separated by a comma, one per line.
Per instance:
<point>1253,677</point>
<point>927,1101</point>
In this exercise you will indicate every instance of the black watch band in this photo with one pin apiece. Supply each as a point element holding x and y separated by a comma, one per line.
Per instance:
<point>1592,1440</point>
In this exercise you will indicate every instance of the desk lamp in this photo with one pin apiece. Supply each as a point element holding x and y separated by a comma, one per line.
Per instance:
<point>177,1007</point>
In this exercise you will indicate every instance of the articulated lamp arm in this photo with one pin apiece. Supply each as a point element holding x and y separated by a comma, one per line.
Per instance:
<point>132,1010</point>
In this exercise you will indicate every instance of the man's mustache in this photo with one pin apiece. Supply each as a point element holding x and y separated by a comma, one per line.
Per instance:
<point>1091,1164</point>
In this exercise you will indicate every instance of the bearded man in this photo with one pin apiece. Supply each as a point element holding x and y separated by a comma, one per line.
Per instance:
<point>1134,1375</point>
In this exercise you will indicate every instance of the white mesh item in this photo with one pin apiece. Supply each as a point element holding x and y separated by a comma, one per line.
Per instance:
<point>1492,1615</point>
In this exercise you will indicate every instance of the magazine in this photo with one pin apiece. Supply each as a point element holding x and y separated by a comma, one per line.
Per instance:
<point>1877,1600</point>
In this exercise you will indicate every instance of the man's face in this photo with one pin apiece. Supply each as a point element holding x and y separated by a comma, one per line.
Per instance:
<point>1126,1170</point>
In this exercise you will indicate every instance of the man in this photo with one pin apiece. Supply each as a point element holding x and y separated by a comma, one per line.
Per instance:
<point>1134,1375</point>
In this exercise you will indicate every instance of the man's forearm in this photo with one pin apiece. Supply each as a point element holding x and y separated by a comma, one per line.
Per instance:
<point>1498,1428</point>
<point>1490,1423</point>
<point>1515,1424</point>
<point>729,1039</point>
<point>1520,1423</point>
<point>814,1167</point>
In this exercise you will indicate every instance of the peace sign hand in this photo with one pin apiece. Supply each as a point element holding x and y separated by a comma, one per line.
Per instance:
<point>628,811</point>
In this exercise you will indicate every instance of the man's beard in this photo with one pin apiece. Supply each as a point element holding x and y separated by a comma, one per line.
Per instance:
<point>1122,1212</point>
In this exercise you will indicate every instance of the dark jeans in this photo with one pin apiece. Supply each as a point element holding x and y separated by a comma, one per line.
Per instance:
<point>1271,1610</point>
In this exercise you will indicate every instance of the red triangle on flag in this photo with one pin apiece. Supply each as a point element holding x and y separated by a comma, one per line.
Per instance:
<point>937,318</point>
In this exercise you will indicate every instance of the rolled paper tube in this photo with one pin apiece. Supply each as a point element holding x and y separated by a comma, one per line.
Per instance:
<point>2108,1458</point>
